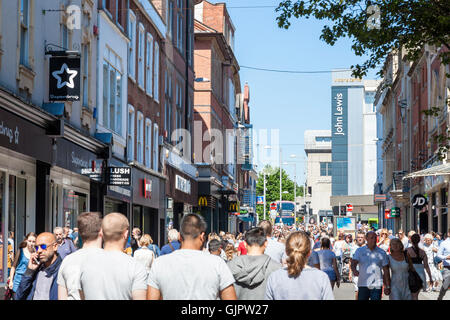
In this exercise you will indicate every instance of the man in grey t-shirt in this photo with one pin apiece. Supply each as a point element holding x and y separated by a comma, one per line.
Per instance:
<point>111,274</point>
<point>274,249</point>
<point>189,273</point>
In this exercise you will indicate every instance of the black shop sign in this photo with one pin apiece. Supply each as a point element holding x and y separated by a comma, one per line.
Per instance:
<point>64,79</point>
<point>119,176</point>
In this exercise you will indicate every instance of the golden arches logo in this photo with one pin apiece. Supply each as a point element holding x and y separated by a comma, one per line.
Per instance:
<point>233,207</point>
<point>202,202</point>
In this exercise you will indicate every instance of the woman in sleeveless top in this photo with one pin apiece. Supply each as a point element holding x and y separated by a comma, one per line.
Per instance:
<point>399,272</point>
<point>420,262</point>
<point>26,248</point>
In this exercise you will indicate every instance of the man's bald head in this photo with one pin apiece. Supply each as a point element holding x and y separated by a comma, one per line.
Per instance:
<point>45,238</point>
<point>49,240</point>
<point>113,226</point>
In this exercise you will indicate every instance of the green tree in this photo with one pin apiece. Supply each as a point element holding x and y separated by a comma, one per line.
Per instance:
<point>408,24</point>
<point>273,188</point>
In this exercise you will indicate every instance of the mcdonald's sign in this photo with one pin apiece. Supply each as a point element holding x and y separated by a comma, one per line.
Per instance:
<point>203,201</point>
<point>233,206</point>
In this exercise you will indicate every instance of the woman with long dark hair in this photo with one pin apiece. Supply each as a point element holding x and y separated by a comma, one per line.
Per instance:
<point>328,262</point>
<point>419,259</point>
<point>26,248</point>
<point>298,281</point>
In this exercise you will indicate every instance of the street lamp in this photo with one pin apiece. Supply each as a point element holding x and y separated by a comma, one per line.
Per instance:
<point>264,174</point>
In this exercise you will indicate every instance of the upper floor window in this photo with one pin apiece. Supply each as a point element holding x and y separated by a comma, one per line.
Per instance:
<point>180,25</point>
<point>149,65</point>
<point>155,147</point>
<point>141,55</point>
<point>24,31</point>
<point>132,45</point>
<point>112,92</point>
<point>140,137</point>
<point>323,139</point>
<point>130,133</point>
<point>120,11</point>
<point>85,74</point>
<point>325,169</point>
<point>148,142</point>
<point>170,18</point>
<point>156,79</point>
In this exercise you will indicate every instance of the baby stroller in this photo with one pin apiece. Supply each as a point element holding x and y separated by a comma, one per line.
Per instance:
<point>345,269</point>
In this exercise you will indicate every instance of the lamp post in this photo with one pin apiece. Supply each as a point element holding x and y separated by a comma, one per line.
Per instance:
<point>264,174</point>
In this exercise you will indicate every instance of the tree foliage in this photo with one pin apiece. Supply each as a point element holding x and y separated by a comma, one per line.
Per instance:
<point>408,24</point>
<point>273,188</point>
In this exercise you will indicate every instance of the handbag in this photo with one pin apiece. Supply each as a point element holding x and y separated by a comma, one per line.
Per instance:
<point>8,292</point>
<point>415,282</point>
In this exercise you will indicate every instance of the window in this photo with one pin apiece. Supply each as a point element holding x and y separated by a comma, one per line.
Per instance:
<point>170,18</point>
<point>148,142</point>
<point>132,45</point>
<point>85,75</point>
<point>155,147</point>
<point>140,137</point>
<point>323,139</point>
<point>107,5</point>
<point>232,97</point>
<point>180,25</point>
<point>149,65</point>
<point>156,67</point>
<point>190,36</point>
<point>325,169</point>
<point>179,104</point>
<point>141,52</point>
<point>130,134</point>
<point>112,92</point>
<point>24,31</point>
<point>119,12</point>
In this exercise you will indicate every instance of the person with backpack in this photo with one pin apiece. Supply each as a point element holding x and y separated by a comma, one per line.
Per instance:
<point>173,244</point>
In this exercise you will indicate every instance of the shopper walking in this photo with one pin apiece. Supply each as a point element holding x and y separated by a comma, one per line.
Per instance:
<point>144,255</point>
<point>431,250</point>
<point>173,244</point>
<point>444,255</point>
<point>20,264</point>
<point>384,241</point>
<point>111,274</point>
<point>298,281</point>
<point>328,262</point>
<point>65,245</point>
<point>39,280</point>
<point>252,270</point>
<point>69,286</point>
<point>399,267</point>
<point>373,269</point>
<point>189,273</point>
<point>420,262</point>
<point>274,249</point>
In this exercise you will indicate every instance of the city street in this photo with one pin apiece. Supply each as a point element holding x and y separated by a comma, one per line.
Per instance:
<point>346,291</point>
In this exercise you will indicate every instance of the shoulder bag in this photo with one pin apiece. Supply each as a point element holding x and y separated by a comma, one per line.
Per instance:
<point>414,280</point>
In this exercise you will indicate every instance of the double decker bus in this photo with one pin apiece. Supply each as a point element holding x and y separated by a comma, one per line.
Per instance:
<point>286,212</point>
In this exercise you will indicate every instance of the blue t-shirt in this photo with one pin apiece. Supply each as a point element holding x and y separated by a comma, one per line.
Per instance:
<point>167,249</point>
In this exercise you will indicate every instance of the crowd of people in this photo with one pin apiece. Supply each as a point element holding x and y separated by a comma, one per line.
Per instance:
<point>100,260</point>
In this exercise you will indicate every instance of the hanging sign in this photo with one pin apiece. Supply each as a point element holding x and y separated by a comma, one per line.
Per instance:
<point>64,79</point>
<point>119,176</point>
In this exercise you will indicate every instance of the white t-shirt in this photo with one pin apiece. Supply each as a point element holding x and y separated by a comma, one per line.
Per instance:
<point>190,275</point>
<point>371,263</point>
<point>111,275</point>
<point>69,271</point>
<point>145,256</point>
<point>275,250</point>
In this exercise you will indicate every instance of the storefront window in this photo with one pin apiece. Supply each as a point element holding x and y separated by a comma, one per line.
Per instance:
<point>16,210</point>
<point>75,203</point>
<point>115,206</point>
<point>3,235</point>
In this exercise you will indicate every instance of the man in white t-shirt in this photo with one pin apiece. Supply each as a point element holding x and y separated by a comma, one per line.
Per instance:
<point>111,274</point>
<point>274,249</point>
<point>189,273</point>
<point>89,225</point>
<point>373,270</point>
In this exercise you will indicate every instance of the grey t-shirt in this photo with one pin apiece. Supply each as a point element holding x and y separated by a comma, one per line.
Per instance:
<point>275,250</point>
<point>326,259</point>
<point>190,275</point>
<point>111,275</point>
<point>69,271</point>
<point>43,284</point>
<point>311,284</point>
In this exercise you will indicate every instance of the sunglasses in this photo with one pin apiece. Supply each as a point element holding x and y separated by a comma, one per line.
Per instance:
<point>42,246</point>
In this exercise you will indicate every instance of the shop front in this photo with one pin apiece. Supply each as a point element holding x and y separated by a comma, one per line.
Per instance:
<point>148,203</point>
<point>23,147</point>
<point>118,198</point>
<point>182,195</point>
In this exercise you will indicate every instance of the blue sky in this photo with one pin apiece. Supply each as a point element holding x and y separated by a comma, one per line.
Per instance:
<point>291,103</point>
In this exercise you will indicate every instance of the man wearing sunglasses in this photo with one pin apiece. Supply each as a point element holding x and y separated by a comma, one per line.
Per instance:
<point>39,280</point>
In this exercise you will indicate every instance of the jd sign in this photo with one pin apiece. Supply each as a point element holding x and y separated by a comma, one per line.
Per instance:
<point>419,201</point>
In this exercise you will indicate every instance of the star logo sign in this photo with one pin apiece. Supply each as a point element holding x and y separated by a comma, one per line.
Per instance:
<point>65,69</point>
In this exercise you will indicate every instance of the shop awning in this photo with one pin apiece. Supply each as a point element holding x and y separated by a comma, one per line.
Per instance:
<point>440,170</point>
